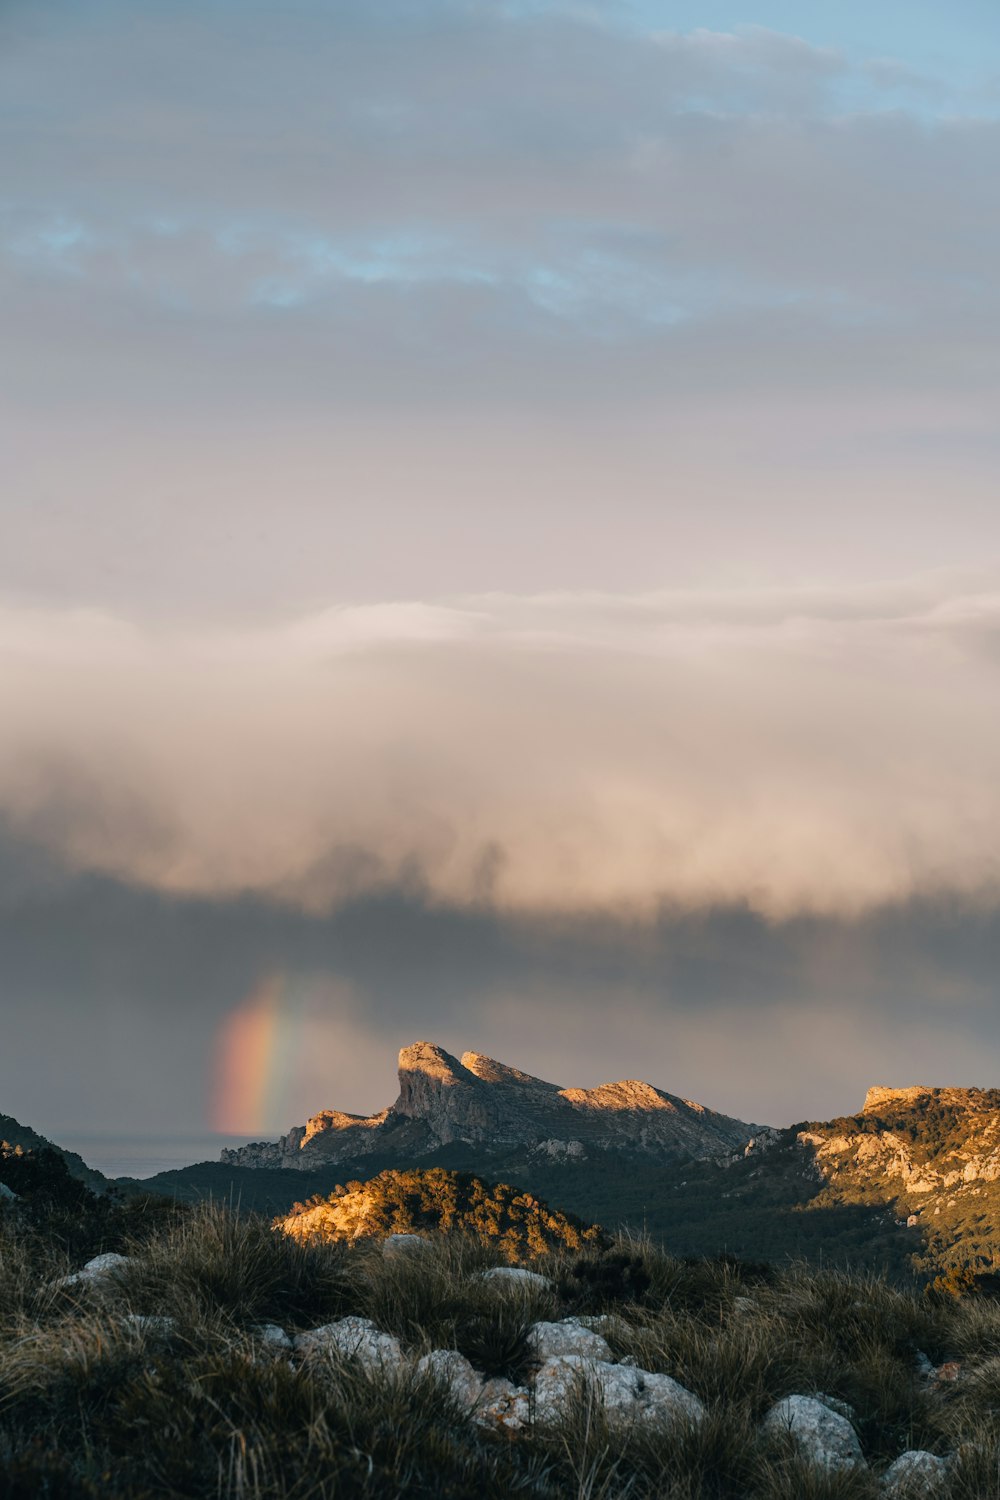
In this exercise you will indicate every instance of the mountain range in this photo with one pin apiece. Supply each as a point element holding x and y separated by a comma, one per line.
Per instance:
<point>910,1183</point>
<point>477,1101</point>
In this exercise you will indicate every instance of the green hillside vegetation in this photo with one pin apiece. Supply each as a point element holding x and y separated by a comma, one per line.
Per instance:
<point>697,1208</point>
<point>515,1224</point>
<point>93,1404</point>
<point>772,1205</point>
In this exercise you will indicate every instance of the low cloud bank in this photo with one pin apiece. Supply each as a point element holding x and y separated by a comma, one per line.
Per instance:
<point>792,751</point>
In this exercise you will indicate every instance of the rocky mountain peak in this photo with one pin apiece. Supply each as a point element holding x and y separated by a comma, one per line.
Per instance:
<point>495,1107</point>
<point>491,1071</point>
<point>428,1057</point>
<point>436,1088</point>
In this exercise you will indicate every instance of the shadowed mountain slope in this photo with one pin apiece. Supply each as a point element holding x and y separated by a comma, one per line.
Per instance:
<point>14,1134</point>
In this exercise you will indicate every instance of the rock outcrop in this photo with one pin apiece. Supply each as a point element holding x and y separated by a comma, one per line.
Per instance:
<point>924,1140</point>
<point>627,1394</point>
<point>481,1102</point>
<point>822,1435</point>
<point>916,1475</point>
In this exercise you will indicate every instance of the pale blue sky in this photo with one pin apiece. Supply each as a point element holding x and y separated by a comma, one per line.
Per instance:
<point>546,249</point>
<point>962,38</point>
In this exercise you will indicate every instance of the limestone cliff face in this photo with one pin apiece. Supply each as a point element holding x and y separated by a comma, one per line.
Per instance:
<point>922,1141</point>
<point>475,1099</point>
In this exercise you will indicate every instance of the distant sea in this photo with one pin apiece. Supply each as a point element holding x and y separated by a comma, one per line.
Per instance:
<point>144,1155</point>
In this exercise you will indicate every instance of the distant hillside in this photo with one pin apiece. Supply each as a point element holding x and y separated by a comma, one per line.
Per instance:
<point>437,1201</point>
<point>476,1101</point>
<point>909,1185</point>
<point>930,1155</point>
<point>16,1134</point>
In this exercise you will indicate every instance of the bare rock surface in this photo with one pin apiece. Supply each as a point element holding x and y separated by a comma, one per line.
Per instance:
<point>452,1369</point>
<point>503,1404</point>
<point>916,1475</point>
<point>358,1338</point>
<point>822,1435</point>
<point>627,1393</point>
<point>94,1270</point>
<point>404,1244</point>
<point>518,1277</point>
<point>480,1101</point>
<point>926,1167</point>
<point>569,1336</point>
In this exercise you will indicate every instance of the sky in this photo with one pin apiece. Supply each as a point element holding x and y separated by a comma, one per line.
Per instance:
<point>499,544</point>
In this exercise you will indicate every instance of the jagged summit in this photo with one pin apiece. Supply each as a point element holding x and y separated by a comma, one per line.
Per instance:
<point>493,1106</point>
<point>491,1071</point>
<point>428,1057</point>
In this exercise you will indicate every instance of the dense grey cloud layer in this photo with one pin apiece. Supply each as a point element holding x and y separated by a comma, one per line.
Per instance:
<point>116,996</point>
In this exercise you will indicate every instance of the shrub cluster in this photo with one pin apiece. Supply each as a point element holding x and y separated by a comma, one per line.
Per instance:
<point>513,1222</point>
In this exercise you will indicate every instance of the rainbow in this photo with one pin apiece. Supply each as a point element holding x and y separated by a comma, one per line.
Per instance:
<point>257,1047</point>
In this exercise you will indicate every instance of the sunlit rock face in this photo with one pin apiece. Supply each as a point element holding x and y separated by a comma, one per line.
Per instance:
<point>930,1147</point>
<point>878,1097</point>
<point>477,1100</point>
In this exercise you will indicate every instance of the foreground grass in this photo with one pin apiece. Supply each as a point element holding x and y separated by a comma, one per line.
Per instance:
<point>94,1404</point>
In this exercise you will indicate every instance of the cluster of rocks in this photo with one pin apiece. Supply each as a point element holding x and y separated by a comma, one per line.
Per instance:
<point>570,1356</point>
<point>822,1430</point>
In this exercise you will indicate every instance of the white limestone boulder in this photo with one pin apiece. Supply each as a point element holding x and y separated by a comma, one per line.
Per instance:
<point>100,1266</point>
<point>517,1277</point>
<point>570,1336</point>
<point>357,1338</point>
<point>396,1245</point>
<point>916,1475</point>
<point>626,1393</point>
<point>504,1405</point>
<point>664,1400</point>
<point>824,1436</point>
<point>452,1370</point>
